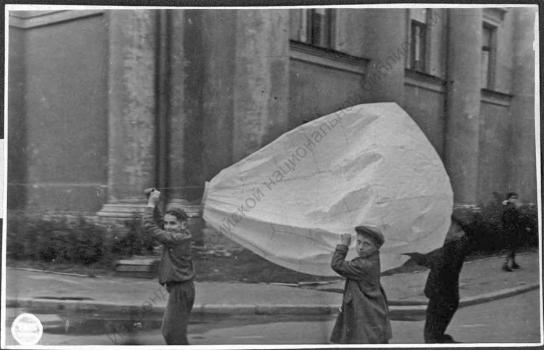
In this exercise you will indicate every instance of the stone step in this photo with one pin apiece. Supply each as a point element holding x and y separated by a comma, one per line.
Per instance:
<point>141,267</point>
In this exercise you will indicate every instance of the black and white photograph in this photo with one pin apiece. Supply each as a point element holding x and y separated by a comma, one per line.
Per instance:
<point>271,176</point>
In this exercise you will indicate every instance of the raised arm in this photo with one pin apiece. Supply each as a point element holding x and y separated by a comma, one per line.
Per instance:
<point>356,269</point>
<point>150,226</point>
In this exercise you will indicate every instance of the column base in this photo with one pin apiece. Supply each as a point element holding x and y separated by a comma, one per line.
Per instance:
<point>121,210</point>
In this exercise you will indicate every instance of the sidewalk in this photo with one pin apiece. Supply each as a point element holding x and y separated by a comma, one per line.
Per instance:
<point>481,280</point>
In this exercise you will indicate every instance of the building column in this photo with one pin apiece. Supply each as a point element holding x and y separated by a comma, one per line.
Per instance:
<point>184,116</point>
<point>386,45</point>
<point>131,108</point>
<point>463,103</point>
<point>522,176</point>
<point>261,82</point>
<point>201,102</point>
<point>218,53</point>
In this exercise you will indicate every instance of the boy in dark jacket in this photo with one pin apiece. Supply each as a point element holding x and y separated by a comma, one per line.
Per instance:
<point>175,268</point>
<point>364,316</point>
<point>442,286</point>
<point>512,229</point>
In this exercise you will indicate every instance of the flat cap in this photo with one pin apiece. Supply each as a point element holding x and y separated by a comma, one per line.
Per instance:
<point>372,233</point>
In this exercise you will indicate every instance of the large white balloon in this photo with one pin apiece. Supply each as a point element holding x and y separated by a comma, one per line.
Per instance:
<point>369,164</point>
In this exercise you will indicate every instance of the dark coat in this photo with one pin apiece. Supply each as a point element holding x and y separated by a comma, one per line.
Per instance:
<point>176,263</point>
<point>446,265</point>
<point>364,317</point>
<point>512,224</point>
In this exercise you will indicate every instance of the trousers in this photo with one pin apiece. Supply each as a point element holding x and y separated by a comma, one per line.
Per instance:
<point>440,311</point>
<point>181,297</point>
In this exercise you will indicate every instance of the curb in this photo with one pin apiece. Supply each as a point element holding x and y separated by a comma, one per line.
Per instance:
<point>502,293</point>
<point>417,312</point>
<point>398,310</point>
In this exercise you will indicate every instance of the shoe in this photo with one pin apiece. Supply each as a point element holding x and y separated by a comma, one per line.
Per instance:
<point>515,266</point>
<point>505,267</point>
<point>446,338</point>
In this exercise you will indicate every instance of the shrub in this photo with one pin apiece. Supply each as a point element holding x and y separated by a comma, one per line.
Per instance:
<point>135,241</point>
<point>86,242</point>
<point>488,233</point>
<point>16,237</point>
<point>55,240</point>
<point>78,241</point>
<point>529,220</point>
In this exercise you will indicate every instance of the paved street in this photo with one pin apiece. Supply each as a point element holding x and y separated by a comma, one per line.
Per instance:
<point>511,320</point>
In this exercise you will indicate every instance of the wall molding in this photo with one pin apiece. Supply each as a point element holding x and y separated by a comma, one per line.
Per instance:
<point>38,185</point>
<point>496,98</point>
<point>50,18</point>
<point>424,81</point>
<point>327,58</point>
<point>494,15</point>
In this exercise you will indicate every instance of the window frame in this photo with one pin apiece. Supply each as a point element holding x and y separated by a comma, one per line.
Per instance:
<point>421,64</point>
<point>492,55</point>
<point>425,29</point>
<point>308,28</point>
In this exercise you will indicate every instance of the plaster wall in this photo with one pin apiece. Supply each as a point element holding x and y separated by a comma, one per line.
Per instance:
<point>426,107</point>
<point>16,133</point>
<point>495,150</point>
<point>317,91</point>
<point>62,152</point>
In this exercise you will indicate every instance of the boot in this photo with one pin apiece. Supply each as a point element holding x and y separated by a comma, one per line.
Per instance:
<point>515,266</point>
<point>448,339</point>
<point>505,267</point>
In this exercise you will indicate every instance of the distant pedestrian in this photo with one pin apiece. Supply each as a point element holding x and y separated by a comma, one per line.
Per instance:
<point>175,269</point>
<point>364,315</point>
<point>512,228</point>
<point>442,286</point>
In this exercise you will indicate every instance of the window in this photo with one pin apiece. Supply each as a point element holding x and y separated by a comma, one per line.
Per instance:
<point>418,39</point>
<point>488,56</point>
<point>313,26</point>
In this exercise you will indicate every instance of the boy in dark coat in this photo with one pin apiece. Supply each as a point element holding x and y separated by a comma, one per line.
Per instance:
<point>175,269</point>
<point>512,228</point>
<point>364,316</point>
<point>442,286</point>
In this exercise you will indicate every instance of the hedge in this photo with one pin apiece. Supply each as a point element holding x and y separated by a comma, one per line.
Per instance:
<point>83,242</point>
<point>490,236</point>
<point>78,241</point>
<point>55,240</point>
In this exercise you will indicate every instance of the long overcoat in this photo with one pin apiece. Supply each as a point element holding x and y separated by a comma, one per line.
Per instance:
<point>364,316</point>
<point>512,225</point>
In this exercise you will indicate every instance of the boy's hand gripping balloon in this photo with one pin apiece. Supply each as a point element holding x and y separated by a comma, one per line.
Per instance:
<point>365,165</point>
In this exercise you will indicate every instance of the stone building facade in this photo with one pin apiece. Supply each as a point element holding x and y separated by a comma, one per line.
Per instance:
<point>104,103</point>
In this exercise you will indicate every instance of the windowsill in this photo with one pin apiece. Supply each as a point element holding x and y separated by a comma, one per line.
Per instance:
<point>497,93</point>
<point>50,17</point>
<point>33,14</point>
<point>496,97</point>
<point>327,57</point>
<point>423,75</point>
<point>424,80</point>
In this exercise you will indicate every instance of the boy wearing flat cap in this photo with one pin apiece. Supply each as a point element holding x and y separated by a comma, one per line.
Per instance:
<point>364,315</point>
<point>176,270</point>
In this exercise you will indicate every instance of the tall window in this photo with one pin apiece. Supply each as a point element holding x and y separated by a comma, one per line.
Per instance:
<point>418,39</point>
<point>488,56</point>
<point>313,26</point>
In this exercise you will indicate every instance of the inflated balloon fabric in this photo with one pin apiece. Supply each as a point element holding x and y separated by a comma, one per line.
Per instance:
<point>369,165</point>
